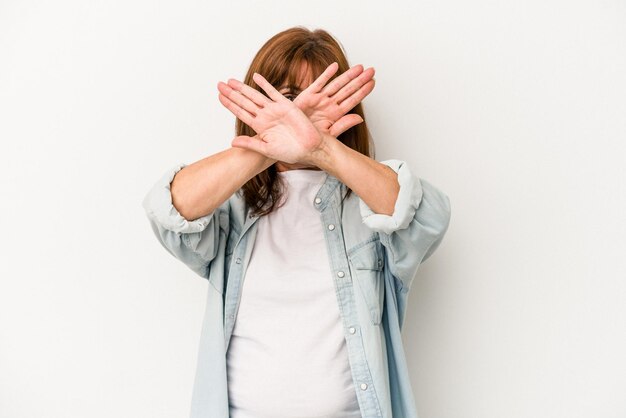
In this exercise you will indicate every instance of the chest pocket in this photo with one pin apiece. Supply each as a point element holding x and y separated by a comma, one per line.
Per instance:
<point>367,265</point>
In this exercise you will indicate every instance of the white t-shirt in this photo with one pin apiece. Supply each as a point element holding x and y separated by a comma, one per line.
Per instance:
<point>287,357</point>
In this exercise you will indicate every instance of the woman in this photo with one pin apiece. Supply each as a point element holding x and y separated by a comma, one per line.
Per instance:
<point>308,280</point>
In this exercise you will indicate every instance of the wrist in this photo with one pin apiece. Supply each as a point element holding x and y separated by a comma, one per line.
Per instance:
<point>323,155</point>
<point>253,157</point>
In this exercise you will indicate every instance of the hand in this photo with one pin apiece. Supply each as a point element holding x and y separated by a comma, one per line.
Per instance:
<point>326,105</point>
<point>284,132</point>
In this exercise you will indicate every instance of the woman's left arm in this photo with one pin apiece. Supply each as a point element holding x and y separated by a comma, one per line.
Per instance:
<point>410,214</point>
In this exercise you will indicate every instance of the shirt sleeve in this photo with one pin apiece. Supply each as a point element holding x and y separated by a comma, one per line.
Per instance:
<point>158,206</point>
<point>408,200</point>
<point>193,242</point>
<point>416,227</point>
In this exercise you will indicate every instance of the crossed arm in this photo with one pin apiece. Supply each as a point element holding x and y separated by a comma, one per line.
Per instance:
<point>306,130</point>
<point>410,214</point>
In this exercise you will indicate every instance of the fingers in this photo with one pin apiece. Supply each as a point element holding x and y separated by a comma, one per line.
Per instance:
<point>256,96</point>
<point>353,86</point>
<point>342,80</point>
<point>345,123</point>
<point>236,110</point>
<point>238,98</point>
<point>268,88</point>
<point>357,97</point>
<point>321,81</point>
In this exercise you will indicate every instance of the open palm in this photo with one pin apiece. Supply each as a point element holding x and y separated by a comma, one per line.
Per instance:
<point>326,105</point>
<point>292,131</point>
<point>284,132</point>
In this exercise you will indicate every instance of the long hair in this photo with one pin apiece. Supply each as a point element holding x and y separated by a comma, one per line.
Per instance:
<point>279,61</point>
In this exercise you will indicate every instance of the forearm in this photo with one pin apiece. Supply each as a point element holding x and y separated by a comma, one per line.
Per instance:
<point>200,188</point>
<point>375,183</point>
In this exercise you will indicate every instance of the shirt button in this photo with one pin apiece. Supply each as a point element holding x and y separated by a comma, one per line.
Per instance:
<point>331,227</point>
<point>238,260</point>
<point>380,263</point>
<point>340,273</point>
<point>352,330</point>
<point>318,200</point>
<point>363,386</point>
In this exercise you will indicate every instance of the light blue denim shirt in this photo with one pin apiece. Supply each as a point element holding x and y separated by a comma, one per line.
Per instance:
<point>374,259</point>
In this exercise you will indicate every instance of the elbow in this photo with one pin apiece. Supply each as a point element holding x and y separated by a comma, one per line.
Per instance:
<point>180,205</point>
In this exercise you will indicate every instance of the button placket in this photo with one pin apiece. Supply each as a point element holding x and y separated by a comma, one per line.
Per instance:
<point>331,217</point>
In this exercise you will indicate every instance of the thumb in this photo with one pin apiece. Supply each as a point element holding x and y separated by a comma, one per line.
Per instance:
<point>345,123</point>
<point>247,142</point>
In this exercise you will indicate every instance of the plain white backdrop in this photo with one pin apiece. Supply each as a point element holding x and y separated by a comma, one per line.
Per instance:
<point>515,109</point>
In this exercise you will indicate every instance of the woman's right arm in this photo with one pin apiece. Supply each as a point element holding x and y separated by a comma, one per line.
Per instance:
<point>200,188</point>
<point>183,206</point>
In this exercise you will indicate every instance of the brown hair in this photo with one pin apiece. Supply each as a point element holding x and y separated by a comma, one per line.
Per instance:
<point>279,61</point>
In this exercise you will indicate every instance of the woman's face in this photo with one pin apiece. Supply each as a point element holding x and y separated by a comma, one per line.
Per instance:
<point>307,79</point>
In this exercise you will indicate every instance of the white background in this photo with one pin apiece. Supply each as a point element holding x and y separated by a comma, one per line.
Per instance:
<point>515,109</point>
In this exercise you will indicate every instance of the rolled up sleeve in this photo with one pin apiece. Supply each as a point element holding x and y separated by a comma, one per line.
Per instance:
<point>158,206</point>
<point>416,227</point>
<point>408,200</point>
<point>194,242</point>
